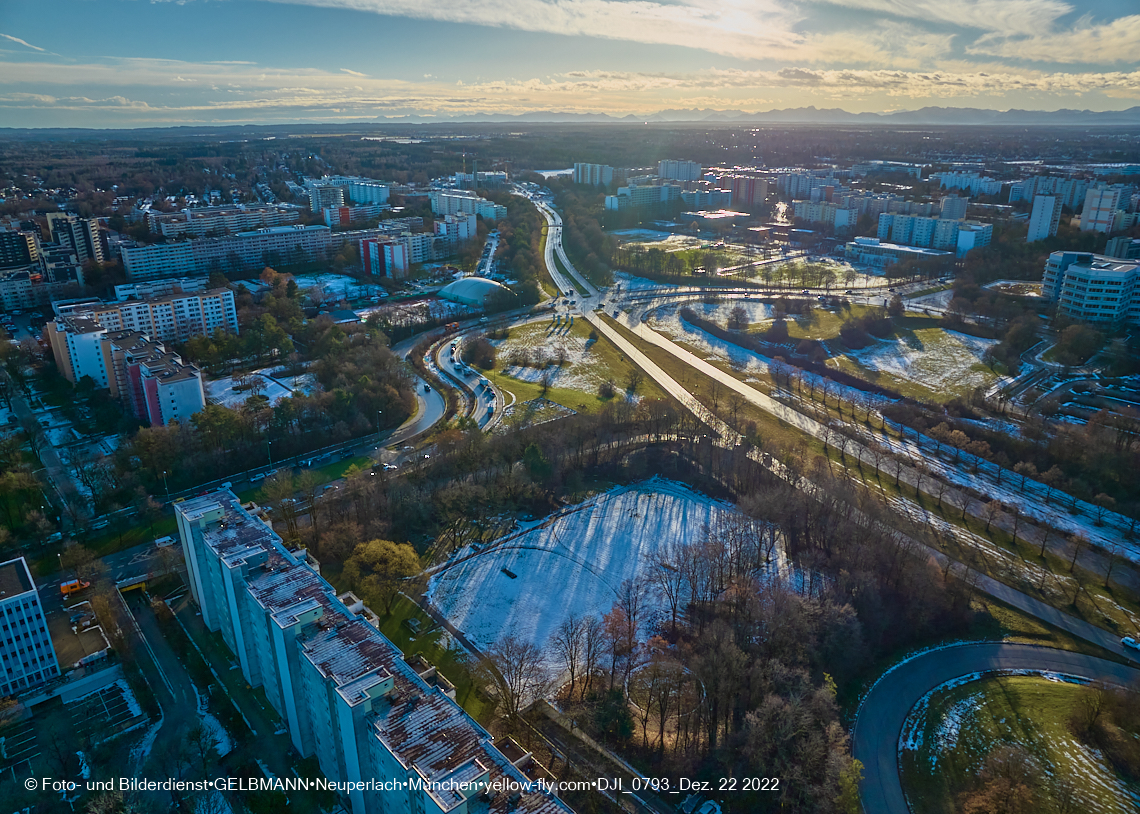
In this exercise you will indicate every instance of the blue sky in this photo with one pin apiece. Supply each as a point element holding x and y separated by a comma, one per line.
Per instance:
<point>129,63</point>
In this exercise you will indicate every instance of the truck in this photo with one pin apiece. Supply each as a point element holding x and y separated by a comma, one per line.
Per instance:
<point>72,586</point>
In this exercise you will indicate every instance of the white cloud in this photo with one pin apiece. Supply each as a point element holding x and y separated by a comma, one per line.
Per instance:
<point>25,43</point>
<point>1086,42</point>
<point>352,73</point>
<point>1008,16</point>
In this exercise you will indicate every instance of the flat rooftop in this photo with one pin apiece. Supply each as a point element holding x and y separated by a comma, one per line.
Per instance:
<point>15,578</point>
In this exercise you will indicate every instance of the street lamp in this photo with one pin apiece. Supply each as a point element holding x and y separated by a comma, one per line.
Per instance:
<point>167,485</point>
<point>269,449</point>
<point>378,426</point>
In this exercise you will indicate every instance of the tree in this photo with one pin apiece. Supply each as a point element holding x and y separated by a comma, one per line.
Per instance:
<point>568,643</point>
<point>376,569</point>
<point>738,319</point>
<point>992,511</point>
<point>1080,543</point>
<point>516,668</point>
<point>633,380</point>
<point>1104,503</point>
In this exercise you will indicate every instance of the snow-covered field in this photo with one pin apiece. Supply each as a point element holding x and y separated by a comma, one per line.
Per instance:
<point>938,359</point>
<point>541,340</point>
<point>221,391</point>
<point>572,563</point>
<point>337,286</point>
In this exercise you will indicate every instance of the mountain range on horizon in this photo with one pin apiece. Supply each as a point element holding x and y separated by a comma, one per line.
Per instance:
<point>943,116</point>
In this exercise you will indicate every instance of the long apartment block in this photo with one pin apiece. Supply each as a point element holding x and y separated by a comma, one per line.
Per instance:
<point>346,693</point>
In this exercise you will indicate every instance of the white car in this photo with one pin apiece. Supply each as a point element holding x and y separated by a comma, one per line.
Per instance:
<point>1128,641</point>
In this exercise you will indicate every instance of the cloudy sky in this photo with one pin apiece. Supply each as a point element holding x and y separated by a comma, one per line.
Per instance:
<point>129,63</point>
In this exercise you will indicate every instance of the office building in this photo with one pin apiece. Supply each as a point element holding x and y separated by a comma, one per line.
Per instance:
<point>1099,213</point>
<point>1092,287</point>
<point>27,657</point>
<point>324,197</point>
<point>219,220</point>
<point>81,234</point>
<point>347,695</point>
<point>952,207</point>
<point>18,248</point>
<point>1045,217</point>
<point>873,252</point>
<point>463,202</point>
<point>672,170</point>
<point>593,174</point>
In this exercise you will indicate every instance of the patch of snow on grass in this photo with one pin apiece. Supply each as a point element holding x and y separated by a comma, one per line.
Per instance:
<point>933,357</point>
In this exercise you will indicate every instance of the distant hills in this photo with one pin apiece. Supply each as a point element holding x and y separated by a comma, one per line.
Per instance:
<point>939,116</point>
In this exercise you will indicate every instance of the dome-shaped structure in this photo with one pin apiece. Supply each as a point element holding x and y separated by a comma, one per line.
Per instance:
<point>471,290</point>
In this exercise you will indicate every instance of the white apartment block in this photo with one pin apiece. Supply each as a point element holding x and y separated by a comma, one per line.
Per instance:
<point>160,288</point>
<point>839,218</point>
<point>456,228</point>
<point>27,657</point>
<point>1045,217</point>
<point>1101,205</point>
<point>346,215</point>
<point>951,207</point>
<point>239,252</point>
<point>1092,287</point>
<point>323,197</point>
<point>973,235</point>
<point>462,202</point>
<point>220,220</point>
<point>345,693</point>
<point>971,181</point>
<point>174,317</point>
<point>673,170</point>
<point>936,233</point>
<point>360,190</point>
<point>593,174</point>
<point>385,257</point>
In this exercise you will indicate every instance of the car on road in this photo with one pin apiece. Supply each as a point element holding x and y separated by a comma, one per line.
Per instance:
<point>390,467</point>
<point>72,586</point>
<point>427,388</point>
<point>482,319</point>
<point>1128,641</point>
<point>164,542</point>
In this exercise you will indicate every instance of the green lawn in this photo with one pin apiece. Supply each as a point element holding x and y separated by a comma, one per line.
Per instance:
<point>451,663</point>
<point>963,724</point>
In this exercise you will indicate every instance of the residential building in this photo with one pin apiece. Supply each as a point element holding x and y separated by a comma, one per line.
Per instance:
<point>644,197</point>
<point>174,317</point>
<point>455,229</point>
<point>593,174</point>
<point>746,190</point>
<point>707,199</point>
<point>18,292</point>
<point>243,251</point>
<point>1092,287</point>
<point>160,288</point>
<point>840,218</point>
<point>346,695</point>
<point>18,248</point>
<point>972,235</point>
<point>971,182</point>
<point>1123,248</point>
<point>873,252</point>
<point>155,383</point>
<point>673,170</point>
<point>219,220</point>
<point>81,234</point>
<point>385,257</point>
<point>1071,191</point>
<point>1045,217</point>
<point>486,180</point>
<point>346,215</point>
<point>952,207</point>
<point>465,202</point>
<point>27,657</point>
<point>323,197</point>
<point>1099,213</point>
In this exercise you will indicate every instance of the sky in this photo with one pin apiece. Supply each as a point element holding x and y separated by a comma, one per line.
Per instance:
<point>135,63</point>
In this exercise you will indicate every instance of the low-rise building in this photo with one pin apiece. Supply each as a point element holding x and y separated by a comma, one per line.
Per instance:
<point>873,252</point>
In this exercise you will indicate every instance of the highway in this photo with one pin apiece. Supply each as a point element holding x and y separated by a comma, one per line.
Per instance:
<point>886,706</point>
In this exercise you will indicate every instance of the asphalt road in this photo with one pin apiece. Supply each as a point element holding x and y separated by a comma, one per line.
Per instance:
<point>884,710</point>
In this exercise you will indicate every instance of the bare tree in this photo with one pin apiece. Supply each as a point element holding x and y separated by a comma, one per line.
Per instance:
<point>516,668</point>
<point>1080,543</point>
<point>593,642</point>
<point>568,642</point>
<point>667,574</point>
<point>992,512</point>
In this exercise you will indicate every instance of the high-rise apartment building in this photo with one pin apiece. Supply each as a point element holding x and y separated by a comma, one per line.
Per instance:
<point>673,170</point>
<point>953,208</point>
<point>593,174</point>
<point>243,251</point>
<point>27,657</point>
<point>173,317</point>
<point>1099,213</point>
<point>81,234</point>
<point>346,694</point>
<point>1045,217</point>
<point>325,197</point>
<point>18,249</point>
<point>463,202</point>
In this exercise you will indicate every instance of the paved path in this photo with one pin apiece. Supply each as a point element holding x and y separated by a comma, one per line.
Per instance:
<point>884,710</point>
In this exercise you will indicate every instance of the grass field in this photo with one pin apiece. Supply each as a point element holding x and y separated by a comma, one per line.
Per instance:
<point>575,385</point>
<point>962,724</point>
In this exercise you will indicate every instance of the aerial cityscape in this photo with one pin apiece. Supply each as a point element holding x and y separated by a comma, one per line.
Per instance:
<point>737,413</point>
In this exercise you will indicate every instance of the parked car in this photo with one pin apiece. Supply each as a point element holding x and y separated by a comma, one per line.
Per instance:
<point>1128,641</point>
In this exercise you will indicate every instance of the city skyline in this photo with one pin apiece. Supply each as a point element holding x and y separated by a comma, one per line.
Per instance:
<point>276,61</point>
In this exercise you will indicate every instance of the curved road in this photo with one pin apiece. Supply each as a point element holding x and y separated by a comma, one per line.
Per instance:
<point>881,715</point>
